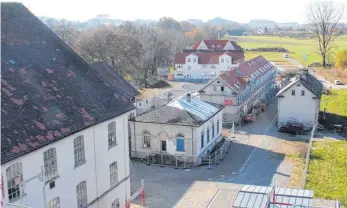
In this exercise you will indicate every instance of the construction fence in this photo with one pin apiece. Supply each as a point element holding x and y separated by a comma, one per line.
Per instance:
<point>177,161</point>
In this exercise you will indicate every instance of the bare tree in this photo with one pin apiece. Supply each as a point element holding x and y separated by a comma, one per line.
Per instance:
<point>118,50</point>
<point>67,31</point>
<point>323,17</point>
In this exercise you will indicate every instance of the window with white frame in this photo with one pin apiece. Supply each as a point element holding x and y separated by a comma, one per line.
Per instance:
<point>81,192</point>
<point>115,204</point>
<point>222,60</point>
<point>50,163</point>
<point>215,88</point>
<point>188,59</point>
<point>194,60</point>
<point>202,139</point>
<point>14,175</point>
<point>54,203</point>
<point>212,130</point>
<point>208,134</point>
<point>79,151</point>
<point>189,67</point>
<point>112,140</point>
<point>217,126</point>
<point>113,174</point>
<point>146,136</point>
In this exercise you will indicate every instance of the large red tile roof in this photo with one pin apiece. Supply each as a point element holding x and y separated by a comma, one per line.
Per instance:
<point>258,65</point>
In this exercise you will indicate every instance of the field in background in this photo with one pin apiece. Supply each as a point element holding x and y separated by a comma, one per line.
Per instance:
<point>297,47</point>
<point>333,74</point>
<point>327,170</point>
<point>336,103</point>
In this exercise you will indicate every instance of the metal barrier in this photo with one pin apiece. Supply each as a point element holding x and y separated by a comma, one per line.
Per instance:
<point>167,160</point>
<point>218,155</point>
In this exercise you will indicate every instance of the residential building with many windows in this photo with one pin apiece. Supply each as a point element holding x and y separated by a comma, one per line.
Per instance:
<point>206,60</point>
<point>64,129</point>
<point>241,88</point>
<point>186,126</point>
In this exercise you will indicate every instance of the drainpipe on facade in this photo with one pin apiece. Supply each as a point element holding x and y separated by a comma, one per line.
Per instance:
<point>96,177</point>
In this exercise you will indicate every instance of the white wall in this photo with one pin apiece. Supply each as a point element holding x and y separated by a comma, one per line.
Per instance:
<point>192,137</point>
<point>302,108</point>
<point>95,170</point>
<point>203,127</point>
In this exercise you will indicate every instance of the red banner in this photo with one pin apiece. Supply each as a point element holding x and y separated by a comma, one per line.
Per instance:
<point>228,102</point>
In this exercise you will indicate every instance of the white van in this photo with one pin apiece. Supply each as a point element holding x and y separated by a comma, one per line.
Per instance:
<point>285,55</point>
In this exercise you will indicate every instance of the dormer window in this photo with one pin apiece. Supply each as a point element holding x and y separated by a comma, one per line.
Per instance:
<point>218,46</point>
<point>212,46</point>
<point>222,60</point>
<point>194,60</point>
<point>188,59</point>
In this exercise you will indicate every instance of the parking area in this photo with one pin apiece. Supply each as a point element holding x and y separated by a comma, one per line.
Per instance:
<point>258,155</point>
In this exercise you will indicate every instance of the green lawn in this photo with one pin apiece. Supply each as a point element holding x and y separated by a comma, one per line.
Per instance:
<point>335,103</point>
<point>327,173</point>
<point>295,46</point>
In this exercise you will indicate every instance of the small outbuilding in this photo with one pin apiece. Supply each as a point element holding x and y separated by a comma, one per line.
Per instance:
<point>187,127</point>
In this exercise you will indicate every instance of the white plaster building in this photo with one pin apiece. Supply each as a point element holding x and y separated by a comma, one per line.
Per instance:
<point>185,126</point>
<point>206,60</point>
<point>241,88</point>
<point>299,99</point>
<point>64,129</point>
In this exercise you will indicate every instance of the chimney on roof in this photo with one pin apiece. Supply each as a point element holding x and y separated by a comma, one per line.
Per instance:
<point>188,97</point>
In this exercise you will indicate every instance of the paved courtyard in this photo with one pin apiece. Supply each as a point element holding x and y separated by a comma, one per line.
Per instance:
<point>256,156</point>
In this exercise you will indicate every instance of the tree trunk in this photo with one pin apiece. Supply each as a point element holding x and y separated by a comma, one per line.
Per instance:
<point>324,60</point>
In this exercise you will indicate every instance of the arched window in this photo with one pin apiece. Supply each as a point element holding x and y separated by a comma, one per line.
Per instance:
<point>146,139</point>
<point>180,142</point>
<point>112,140</point>
<point>12,173</point>
<point>212,130</point>
<point>202,138</point>
<point>79,151</point>
<point>208,134</point>
<point>81,192</point>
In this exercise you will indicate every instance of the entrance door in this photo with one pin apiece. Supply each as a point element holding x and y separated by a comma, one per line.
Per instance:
<point>163,146</point>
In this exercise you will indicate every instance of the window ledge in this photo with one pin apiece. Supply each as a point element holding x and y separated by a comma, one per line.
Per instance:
<point>78,165</point>
<point>17,199</point>
<point>110,147</point>
<point>52,179</point>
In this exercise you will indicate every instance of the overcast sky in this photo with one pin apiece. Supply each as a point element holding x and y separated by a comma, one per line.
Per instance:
<point>235,10</point>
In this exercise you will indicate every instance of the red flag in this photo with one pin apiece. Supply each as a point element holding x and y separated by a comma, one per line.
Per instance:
<point>2,191</point>
<point>127,204</point>
<point>142,195</point>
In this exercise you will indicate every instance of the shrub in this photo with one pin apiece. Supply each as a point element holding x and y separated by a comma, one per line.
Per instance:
<point>341,59</point>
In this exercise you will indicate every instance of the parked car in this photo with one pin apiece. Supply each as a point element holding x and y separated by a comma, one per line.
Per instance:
<point>292,128</point>
<point>285,55</point>
<point>337,82</point>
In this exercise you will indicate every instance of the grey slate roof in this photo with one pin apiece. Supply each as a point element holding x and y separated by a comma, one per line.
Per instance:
<point>181,112</point>
<point>48,91</point>
<point>113,78</point>
<point>307,80</point>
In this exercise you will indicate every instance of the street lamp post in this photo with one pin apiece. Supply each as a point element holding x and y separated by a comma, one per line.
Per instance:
<point>40,176</point>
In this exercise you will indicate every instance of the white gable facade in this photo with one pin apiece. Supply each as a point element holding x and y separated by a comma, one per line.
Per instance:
<point>88,169</point>
<point>202,45</point>
<point>298,103</point>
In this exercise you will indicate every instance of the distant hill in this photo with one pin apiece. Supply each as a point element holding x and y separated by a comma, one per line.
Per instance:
<point>226,24</point>
<point>262,24</point>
